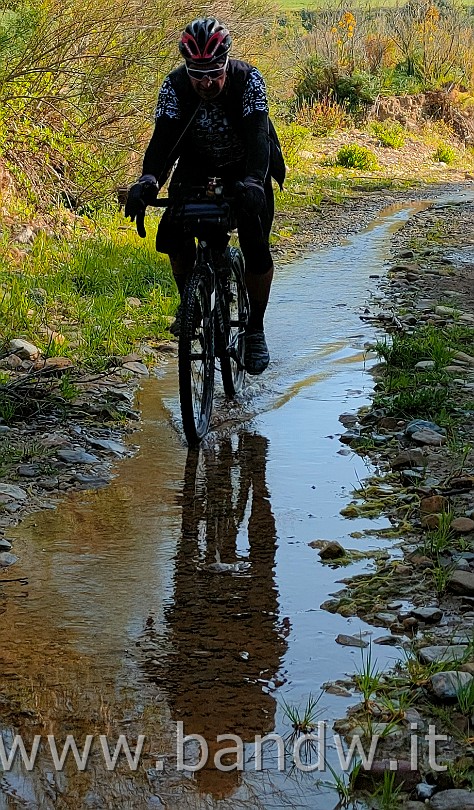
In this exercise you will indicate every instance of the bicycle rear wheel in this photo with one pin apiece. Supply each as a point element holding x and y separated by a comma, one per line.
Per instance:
<point>196,358</point>
<point>235,320</point>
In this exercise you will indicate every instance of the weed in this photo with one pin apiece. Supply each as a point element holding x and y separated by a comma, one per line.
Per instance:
<point>441,576</point>
<point>67,388</point>
<point>344,784</point>
<point>439,539</point>
<point>303,721</point>
<point>368,677</point>
<point>444,154</point>
<point>465,698</point>
<point>387,794</point>
<point>405,351</point>
<point>353,156</point>
<point>389,133</point>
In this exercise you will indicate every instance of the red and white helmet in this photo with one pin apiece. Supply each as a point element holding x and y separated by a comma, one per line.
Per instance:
<point>205,40</point>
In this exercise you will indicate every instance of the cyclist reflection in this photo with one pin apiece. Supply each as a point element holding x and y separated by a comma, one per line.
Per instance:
<point>224,643</point>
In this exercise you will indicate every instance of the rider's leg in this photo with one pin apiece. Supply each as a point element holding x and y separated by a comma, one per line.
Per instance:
<point>258,289</point>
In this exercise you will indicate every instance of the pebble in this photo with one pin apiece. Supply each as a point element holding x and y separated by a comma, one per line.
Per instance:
<point>417,425</point>
<point>429,615</point>
<point>452,800</point>
<point>442,652</point>
<point>76,456</point>
<point>429,437</point>
<point>408,458</point>
<point>137,368</point>
<point>385,618</point>
<point>351,641</point>
<point>5,544</point>
<point>434,504</point>
<point>24,350</point>
<point>7,559</point>
<point>332,551</point>
<point>462,582</point>
<point>107,444</point>
<point>13,492</point>
<point>446,685</point>
<point>463,525</point>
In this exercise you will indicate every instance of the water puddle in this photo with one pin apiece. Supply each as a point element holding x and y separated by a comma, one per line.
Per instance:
<point>187,591</point>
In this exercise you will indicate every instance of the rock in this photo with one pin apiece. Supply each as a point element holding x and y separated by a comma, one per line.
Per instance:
<point>388,641</point>
<point>464,358</point>
<point>425,365</point>
<point>133,302</point>
<point>90,481</point>
<point>408,458</point>
<point>7,559</point>
<point>25,350</point>
<point>53,365</point>
<point>349,437</point>
<point>26,236</point>
<point>5,544</point>
<point>133,357</point>
<point>12,492</point>
<point>137,368</point>
<point>416,425</point>
<point>28,470</point>
<point>76,457</point>
<point>351,641</point>
<point>460,582</point>
<point>414,806</point>
<point>48,483</point>
<point>446,685</point>
<point>462,525</point>
<point>434,504</point>
<point>442,652</point>
<point>340,691</point>
<point>429,615</point>
<point>332,551</point>
<point>452,800</point>
<point>365,779</point>
<point>12,362</point>
<point>430,521</point>
<point>348,419</point>
<point>385,618</point>
<point>107,444</point>
<point>425,791</point>
<point>430,437</point>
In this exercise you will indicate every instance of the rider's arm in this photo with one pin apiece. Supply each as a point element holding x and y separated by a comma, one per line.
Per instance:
<point>165,135</point>
<point>255,126</point>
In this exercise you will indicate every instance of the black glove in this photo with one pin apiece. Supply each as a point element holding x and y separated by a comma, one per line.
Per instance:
<point>250,194</point>
<point>142,193</point>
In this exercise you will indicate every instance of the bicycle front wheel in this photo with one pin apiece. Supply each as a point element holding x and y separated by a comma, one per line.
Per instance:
<point>235,321</point>
<point>196,358</point>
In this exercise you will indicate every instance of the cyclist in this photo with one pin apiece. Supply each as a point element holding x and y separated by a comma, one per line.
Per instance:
<point>212,118</point>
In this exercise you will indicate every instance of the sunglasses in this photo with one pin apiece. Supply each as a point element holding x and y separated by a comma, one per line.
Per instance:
<point>206,73</point>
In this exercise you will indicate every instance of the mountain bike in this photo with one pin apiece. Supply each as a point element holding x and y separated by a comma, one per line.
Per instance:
<point>214,307</point>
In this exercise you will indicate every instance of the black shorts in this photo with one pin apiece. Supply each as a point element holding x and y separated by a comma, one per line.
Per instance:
<point>253,231</point>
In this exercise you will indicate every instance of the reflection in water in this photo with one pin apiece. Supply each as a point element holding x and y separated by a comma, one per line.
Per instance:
<point>223,642</point>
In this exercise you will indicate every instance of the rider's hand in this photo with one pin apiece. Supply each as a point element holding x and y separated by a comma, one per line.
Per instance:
<point>251,194</point>
<point>141,194</point>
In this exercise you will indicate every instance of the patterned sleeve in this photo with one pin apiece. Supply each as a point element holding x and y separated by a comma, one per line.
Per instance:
<point>168,103</point>
<point>255,95</point>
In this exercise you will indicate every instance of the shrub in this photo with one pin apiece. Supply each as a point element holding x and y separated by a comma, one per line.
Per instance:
<point>445,154</point>
<point>353,156</point>
<point>389,133</point>
<point>324,116</point>
<point>292,139</point>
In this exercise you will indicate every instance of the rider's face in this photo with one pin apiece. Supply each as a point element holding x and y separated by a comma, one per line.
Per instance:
<point>211,84</point>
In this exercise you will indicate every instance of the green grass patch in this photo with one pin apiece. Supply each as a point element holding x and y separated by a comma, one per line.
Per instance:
<point>99,293</point>
<point>353,156</point>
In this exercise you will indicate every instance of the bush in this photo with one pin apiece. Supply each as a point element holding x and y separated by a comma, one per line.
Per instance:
<point>324,116</point>
<point>292,139</point>
<point>389,133</point>
<point>353,156</point>
<point>445,154</point>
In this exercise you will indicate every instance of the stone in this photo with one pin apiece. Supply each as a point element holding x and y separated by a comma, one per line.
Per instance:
<point>434,504</point>
<point>5,544</point>
<point>76,457</point>
<point>385,618</point>
<point>462,582</point>
<point>25,350</point>
<point>430,521</point>
<point>133,302</point>
<point>133,357</point>
<point>26,236</point>
<point>404,774</point>
<point>349,437</point>
<point>137,368</point>
<point>429,437</point>
<point>446,685</point>
<point>425,791</point>
<point>10,491</point>
<point>462,525</point>
<point>28,470</point>
<point>408,458</point>
<point>468,359</point>
<point>53,365</point>
<point>442,652</point>
<point>107,444</point>
<point>417,425</point>
<point>425,365</point>
<point>7,559</point>
<point>388,641</point>
<point>452,800</point>
<point>332,550</point>
<point>351,641</point>
<point>429,615</point>
<point>339,691</point>
<point>90,481</point>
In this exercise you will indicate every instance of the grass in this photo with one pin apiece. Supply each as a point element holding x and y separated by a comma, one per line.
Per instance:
<point>368,677</point>
<point>81,290</point>
<point>303,720</point>
<point>387,795</point>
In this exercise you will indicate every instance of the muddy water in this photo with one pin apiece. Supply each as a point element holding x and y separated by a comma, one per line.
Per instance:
<point>186,590</point>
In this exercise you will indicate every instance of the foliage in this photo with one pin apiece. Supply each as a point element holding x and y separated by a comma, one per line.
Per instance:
<point>324,116</point>
<point>389,133</point>
<point>353,156</point>
<point>445,154</point>
<point>292,139</point>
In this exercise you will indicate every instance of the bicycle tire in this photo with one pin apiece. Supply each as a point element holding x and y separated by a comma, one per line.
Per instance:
<point>235,319</point>
<point>196,358</point>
